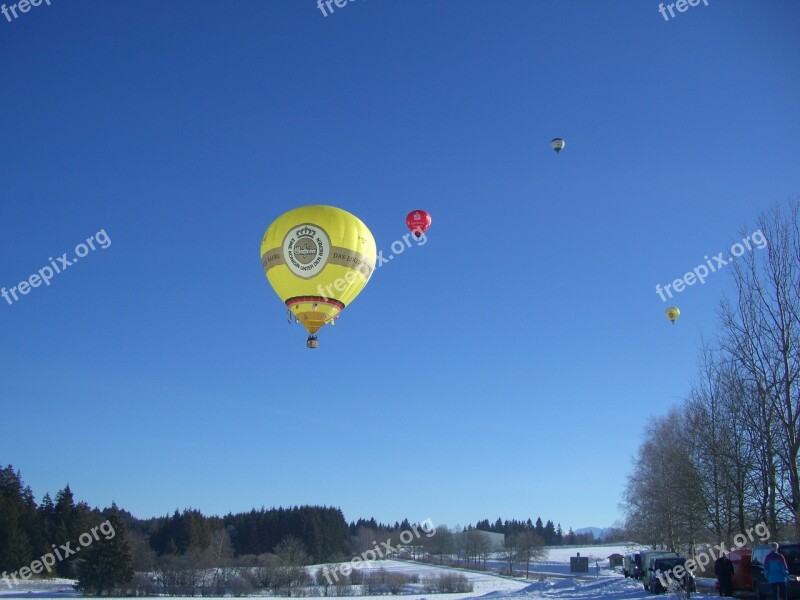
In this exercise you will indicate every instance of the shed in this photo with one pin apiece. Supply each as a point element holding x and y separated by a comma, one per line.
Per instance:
<point>579,564</point>
<point>615,560</point>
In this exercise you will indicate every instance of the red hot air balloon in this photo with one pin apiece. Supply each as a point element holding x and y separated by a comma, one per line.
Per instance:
<point>418,222</point>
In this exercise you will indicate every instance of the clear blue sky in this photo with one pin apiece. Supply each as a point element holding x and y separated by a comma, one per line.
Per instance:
<point>505,368</point>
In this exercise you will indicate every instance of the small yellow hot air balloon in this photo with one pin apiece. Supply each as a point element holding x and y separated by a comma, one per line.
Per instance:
<point>673,313</point>
<point>317,259</point>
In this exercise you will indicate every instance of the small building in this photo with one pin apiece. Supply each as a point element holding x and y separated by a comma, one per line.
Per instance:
<point>615,560</point>
<point>579,564</point>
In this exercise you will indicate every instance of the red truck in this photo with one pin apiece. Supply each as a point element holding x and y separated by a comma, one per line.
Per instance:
<point>742,579</point>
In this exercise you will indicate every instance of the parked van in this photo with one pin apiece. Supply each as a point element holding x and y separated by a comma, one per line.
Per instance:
<point>791,552</point>
<point>631,565</point>
<point>647,557</point>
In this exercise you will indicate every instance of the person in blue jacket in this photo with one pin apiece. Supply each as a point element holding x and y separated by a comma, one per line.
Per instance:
<point>777,572</point>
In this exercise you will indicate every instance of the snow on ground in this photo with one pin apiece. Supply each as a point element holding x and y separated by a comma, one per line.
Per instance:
<point>604,588</point>
<point>483,583</point>
<point>48,588</point>
<point>601,552</point>
<point>559,585</point>
<point>557,560</point>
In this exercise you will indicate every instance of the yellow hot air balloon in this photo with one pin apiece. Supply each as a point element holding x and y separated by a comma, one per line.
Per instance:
<point>317,259</point>
<point>673,313</point>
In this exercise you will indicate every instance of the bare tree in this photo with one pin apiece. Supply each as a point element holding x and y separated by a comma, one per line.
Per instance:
<point>740,427</point>
<point>508,554</point>
<point>441,544</point>
<point>323,578</point>
<point>476,547</point>
<point>484,548</point>
<point>291,572</point>
<point>530,546</point>
<point>662,498</point>
<point>219,557</point>
<point>763,336</point>
<point>717,413</point>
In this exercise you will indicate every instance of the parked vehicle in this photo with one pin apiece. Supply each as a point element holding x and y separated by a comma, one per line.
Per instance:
<point>665,566</point>
<point>742,577</point>
<point>647,557</point>
<point>631,565</point>
<point>791,552</point>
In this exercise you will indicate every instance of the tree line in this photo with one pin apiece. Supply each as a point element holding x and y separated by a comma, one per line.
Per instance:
<point>553,535</point>
<point>726,458</point>
<point>188,552</point>
<point>45,539</point>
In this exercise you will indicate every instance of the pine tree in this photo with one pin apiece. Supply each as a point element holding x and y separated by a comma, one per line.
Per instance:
<point>571,537</point>
<point>549,533</point>
<point>539,527</point>
<point>47,516</point>
<point>64,529</point>
<point>106,564</point>
<point>18,522</point>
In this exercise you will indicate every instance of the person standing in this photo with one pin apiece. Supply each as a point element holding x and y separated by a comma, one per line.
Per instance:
<point>777,572</point>
<point>723,569</point>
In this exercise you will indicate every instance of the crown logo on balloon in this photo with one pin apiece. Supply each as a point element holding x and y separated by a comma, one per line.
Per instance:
<point>306,232</point>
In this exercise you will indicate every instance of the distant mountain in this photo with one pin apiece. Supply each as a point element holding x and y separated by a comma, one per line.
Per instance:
<point>598,532</point>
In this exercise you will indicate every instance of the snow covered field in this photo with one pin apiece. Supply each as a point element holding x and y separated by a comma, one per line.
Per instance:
<point>560,586</point>
<point>557,561</point>
<point>50,588</point>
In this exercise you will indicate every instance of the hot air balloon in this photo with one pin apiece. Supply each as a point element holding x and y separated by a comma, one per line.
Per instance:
<point>317,259</point>
<point>558,144</point>
<point>673,313</point>
<point>418,222</point>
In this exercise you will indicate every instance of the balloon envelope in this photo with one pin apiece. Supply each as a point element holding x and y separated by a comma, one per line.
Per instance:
<point>418,221</point>
<point>673,313</point>
<point>318,259</point>
<point>558,144</point>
